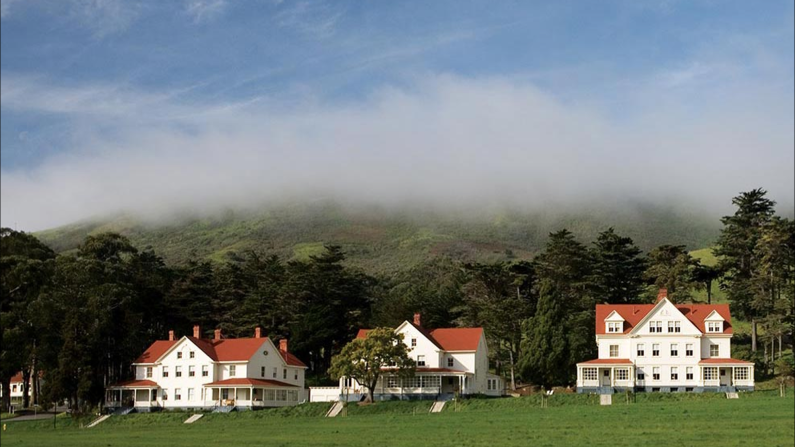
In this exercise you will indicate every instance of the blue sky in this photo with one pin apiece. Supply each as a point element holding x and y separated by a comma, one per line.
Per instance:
<point>133,105</point>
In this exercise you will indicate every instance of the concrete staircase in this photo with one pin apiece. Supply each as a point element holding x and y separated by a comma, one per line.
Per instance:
<point>98,421</point>
<point>437,406</point>
<point>193,418</point>
<point>335,409</point>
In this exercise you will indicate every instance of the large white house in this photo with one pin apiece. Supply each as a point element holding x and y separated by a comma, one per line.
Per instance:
<point>223,373</point>
<point>664,347</point>
<point>449,361</point>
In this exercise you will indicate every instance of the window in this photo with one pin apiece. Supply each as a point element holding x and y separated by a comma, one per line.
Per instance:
<point>689,350</point>
<point>674,373</point>
<point>714,326</point>
<point>689,390</point>
<point>613,350</point>
<point>450,362</point>
<point>165,393</point>
<point>689,373</point>
<point>641,375</point>
<point>488,384</point>
<point>655,326</point>
<point>14,388</point>
<point>430,381</point>
<point>420,360</point>
<point>190,393</point>
<point>622,374</point>
<point>674,349</point>
<point>179,355</point>
<point>296,375</point>
<point>641,350</point>
<point>292,396</point>
<point>284,373</point>
<point>674,326</point>
<point>191,371</point>
<point>589,374</point>
<point>178,371</point>
<point>281,395</point>
<point>148,372</point>
<point>670,326</point>
<point>177,394</point>
<point>270,395</point>
<point>741,373</point>
<point>614,327</point>
<point>655,350</point>
<point>393,382</point>
<point>274,371</point>
<point>655,373</point>
<point>205,371</point>
<point>413,342</point>
<point>192,355</point>
<point>262,372</point>
<point>165,371</point>
<point>711,373</point>
<point>714,350</point>
<point>232,370</point>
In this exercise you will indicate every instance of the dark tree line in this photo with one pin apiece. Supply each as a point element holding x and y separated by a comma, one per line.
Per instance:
<point>80,319</point>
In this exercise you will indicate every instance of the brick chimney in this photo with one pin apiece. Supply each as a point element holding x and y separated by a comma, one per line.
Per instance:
<point>197,332</point>
<point>257,332</point>
<point>217,334</point>
<point>170,335</point>
<point>283,345</point>
<point>663,293</point>
<point>417,319</point>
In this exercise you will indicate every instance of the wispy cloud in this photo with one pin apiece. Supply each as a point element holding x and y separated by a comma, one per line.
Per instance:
<point>5,7</point>
<point>204,10</point>
<point>104,17</point>
<point>314,19</point>
<point>446,140</point>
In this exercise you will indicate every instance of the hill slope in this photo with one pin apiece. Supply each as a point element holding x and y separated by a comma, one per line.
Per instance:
<point>381,240</point>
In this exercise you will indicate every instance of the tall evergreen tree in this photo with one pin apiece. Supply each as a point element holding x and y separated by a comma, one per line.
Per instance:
<point>617,269</point>
<point>671,267</point>
<point>546,359</point>
<point>737,254</point>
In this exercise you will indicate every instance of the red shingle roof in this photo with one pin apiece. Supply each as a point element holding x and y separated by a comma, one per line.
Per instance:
<point>607,362</point>
<point>17,378</point>
<point>448,339</point>
<point>714,361</point>
<point>250,382</point>
<point>634,313</point>
<point>223,350</point>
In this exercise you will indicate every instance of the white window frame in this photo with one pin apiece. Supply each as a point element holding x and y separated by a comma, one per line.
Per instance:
<point>674,373</point>
<point>655,373</point>
<point>177,371</point>
<point>177,393</point>
<point>689,350</point>
<point>614,327</point>
<point>590,374</point>
<point>613,351</point>
<point>641,350</point>
<point>655,349</point>
<point>743,371</point>
<point>689,373</point>
<point>622,374</point>
<point>413,342</point>
<point>450,362</point>
<point>205,371</point>
<point>191,371</point>
<point>232,370</point>
<point>164,372</point>
<point>148,372</point>
<point>714,327</point>
<point>191,394</point>
<point>420,360</point>
<point>710,373</point>
<point>716,350</point>
<point>674,349</point>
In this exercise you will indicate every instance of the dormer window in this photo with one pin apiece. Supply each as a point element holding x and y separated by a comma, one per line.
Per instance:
<point>714,326</point>
<point>615,327</point>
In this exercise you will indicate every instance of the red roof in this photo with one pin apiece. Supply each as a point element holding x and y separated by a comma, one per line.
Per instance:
<point>448,339</point>
<point>17,378</point>
<point>154,351</point>
<point>223,350</point>
<point>607,362</point>
<point>714,361</point>
<point>634,313</point>
<point>135,384</point>
<point>250,382</point>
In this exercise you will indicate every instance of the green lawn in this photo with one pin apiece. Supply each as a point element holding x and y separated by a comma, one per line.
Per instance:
<point>656,420</point>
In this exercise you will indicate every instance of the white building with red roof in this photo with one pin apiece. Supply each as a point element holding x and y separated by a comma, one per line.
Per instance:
<point>222,373</point>
<point>449,361</point>
<point>664,347</point>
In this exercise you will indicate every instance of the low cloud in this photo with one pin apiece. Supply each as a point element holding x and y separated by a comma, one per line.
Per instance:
<point>443,141</point>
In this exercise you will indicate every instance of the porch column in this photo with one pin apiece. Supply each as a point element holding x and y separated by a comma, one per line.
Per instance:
<point>120,397</point>
<point>612,376</point>
<point>731,378</point>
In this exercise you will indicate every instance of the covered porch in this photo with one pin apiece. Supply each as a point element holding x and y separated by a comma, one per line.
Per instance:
<point>251,393</point>
<point>726,373</point>
<point>598,374</point>
<point>132,394</point>
<point>427,383</point>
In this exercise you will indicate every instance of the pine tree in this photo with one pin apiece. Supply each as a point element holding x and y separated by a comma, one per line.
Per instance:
<point>671,267</point>
<point>617,269</point>
<point>546,359</point>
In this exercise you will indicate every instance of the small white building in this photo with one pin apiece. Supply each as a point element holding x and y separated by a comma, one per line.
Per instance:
<point>664,347</point>
<point>193,372</point>
<point>449,361</point>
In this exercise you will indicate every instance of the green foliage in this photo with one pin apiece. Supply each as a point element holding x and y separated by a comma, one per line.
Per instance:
<point>364,359</point>
<point>616,269</point>
<point>671,267</point>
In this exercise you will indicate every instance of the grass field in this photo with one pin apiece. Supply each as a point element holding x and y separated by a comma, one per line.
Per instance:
<point>759,418</point>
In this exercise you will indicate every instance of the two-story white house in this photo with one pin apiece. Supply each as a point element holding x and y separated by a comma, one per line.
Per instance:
<point>449,361</point>
<point>664,347</point>
<point>225,373</point>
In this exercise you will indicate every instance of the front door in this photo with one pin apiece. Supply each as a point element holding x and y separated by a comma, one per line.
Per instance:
<point>725,377</point>
<point>606,377</point>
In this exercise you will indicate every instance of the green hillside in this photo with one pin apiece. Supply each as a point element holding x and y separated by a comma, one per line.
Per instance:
<point>378,239</point>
